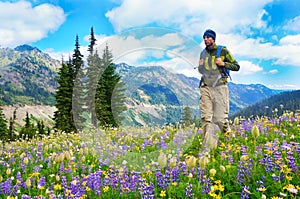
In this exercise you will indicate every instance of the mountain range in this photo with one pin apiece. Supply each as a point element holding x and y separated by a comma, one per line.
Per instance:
<point>154,94</point>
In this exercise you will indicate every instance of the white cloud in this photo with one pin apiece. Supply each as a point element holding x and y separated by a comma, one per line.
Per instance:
<point>191,17</point>
<point>22,23</point>
<point>290,40</point>
<point>293,24</point>
<point>248,68</point>
<point>285,53</point>
<point>140,44</point>
<point>274,71</point>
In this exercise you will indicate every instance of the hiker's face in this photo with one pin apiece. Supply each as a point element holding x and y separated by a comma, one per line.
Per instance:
<point>209,42</point>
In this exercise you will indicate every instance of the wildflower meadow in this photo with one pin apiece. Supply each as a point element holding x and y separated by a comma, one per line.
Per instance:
<point>259,159</point>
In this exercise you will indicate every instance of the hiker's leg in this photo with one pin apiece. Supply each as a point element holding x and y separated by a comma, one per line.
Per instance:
<point>206,108</point>
<point>221,108</point>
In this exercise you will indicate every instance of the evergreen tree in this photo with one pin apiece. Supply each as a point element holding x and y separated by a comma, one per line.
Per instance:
<point>41,128</point>
<point>63,115</point>
<point>93,72</point>
<point>27,131</point>
<point>186,118</point>
<point>11,129</point>
<point>109,97</point>
<point>78,98</point>
<point>3,122</point>
<point>92,42</point>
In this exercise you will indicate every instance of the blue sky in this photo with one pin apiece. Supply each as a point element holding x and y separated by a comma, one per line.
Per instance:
<point>263,35</point>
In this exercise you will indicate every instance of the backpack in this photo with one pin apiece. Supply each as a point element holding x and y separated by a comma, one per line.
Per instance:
<point>225,71</point>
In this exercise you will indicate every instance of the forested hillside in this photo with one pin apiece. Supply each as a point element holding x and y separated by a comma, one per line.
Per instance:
<point>272,106</point>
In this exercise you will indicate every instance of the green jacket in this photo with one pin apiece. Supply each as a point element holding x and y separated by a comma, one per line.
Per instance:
<point>210,70</point>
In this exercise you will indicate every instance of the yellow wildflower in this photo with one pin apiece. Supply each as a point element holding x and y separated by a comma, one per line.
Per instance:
<point>57,187</point>
<point>221,187</point>
<point>149,172</point>
<point>35,174</point>
<point>262,189</point>
<point>163,193</point>
<point>218,197</point>
<point>174,184</point>
<point>105,189</point>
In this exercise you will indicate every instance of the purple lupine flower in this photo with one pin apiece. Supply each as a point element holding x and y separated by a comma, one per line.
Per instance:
<point>200,173</point>
<point>134,179</point>
<point>19,178</point>
<point>6,187</point>
<point>83,168</point>
<point>189,191</point>
<point>291,161</point>
<point>64,182</point>
<point>160,180</point>
<point>278,178</point>
<point>167,176</point>
<point>245,192</point>
<point>113,178</point>
<point>42,181</point>
<point>62,168</point>
<point>230,159</point>
<point>175,175</point>
<point>244,150</point>
<point>268,162</point>
<point>261,184</point>
<point>37,169</point>
<point>244,170</point>
<point>206,185</point>
<point>24,196</point>
<point>182,168</point>
<point>147,191</point>
<point>124,181</point>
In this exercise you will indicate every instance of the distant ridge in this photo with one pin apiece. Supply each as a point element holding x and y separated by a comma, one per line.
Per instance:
<point>272,106</point>
<point>26,47</point>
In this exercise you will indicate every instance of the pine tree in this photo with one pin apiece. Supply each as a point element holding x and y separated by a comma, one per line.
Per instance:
<point>78,99</point>
<point>63,115</point>
<point>93,72</point>
<point>27,131</point>
<point>3,122</point>
<point>11,128</point>
<point>109,97</point>
<point>186,118</point>
<point>92,42</point>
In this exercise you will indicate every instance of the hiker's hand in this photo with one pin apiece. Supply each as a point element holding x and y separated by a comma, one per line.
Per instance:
<point>219,62</point>
<point>201,62</point>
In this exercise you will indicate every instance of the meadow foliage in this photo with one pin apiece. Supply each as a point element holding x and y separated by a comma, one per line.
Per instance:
<point>261,159</point>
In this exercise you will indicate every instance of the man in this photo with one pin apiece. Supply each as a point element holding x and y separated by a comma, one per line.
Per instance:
<point>214,95</point>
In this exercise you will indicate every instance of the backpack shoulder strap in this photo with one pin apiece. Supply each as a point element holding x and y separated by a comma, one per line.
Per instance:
<point>219,50</point>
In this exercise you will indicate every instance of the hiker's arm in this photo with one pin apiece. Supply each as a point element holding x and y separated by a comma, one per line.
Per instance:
<point>201,63</point>
<point>231,63</point>
<point>201,66</point>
